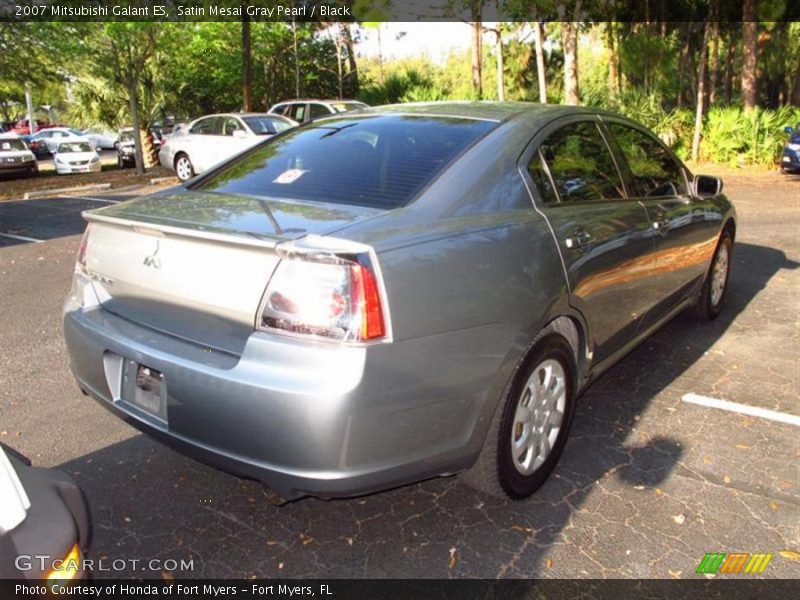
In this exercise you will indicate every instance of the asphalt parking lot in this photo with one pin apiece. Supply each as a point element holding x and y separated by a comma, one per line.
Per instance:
<point>648,483</point>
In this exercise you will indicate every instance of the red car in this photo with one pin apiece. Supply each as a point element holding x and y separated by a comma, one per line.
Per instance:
<point>22,126</point>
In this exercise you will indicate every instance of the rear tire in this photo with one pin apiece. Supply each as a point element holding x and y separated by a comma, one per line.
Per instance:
<point>183,167</point>
<point>530,426</point>
<point>715,287</point>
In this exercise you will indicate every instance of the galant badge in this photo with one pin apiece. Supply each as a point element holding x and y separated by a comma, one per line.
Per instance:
<point>152,260</point>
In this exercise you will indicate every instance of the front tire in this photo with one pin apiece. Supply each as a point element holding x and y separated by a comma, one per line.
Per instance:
<point>715,287</point>
<point>183,167</point>
<point>530,427</point>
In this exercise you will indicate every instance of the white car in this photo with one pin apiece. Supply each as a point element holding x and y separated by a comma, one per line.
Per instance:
<point>209,140</point>
<point>44,142</point>
<point>15,157</point>
<point>101,138</point>
<point>76,156</point>
<point>303,111</point>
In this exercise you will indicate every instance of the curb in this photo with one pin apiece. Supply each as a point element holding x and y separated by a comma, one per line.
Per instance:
<point>80,188</point>
<point>157,180</point>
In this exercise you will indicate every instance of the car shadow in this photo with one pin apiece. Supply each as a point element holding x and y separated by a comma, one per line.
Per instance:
<point>150,502</point>
<point>44,218</point>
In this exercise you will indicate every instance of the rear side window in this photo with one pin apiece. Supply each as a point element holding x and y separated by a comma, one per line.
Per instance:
<point>296,112</point>
<point>655,173</point>
<point>381,161</point>
<point>209,126</point>
<point>318,110</point>
<point>580,164</point>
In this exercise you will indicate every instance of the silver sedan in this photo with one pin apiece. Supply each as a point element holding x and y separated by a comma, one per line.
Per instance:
<point>408,292</point>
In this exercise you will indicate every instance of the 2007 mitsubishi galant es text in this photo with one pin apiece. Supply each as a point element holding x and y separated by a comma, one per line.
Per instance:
<point>404,292</point>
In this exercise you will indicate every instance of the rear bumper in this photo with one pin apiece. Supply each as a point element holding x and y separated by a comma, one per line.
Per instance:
<point>303,418</point>
<point>790,161</point>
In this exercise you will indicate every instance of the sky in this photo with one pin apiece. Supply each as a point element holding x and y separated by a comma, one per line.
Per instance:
<point>434,39</point>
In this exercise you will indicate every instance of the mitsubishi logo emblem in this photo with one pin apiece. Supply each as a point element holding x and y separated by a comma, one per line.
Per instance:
<point>152,260</point>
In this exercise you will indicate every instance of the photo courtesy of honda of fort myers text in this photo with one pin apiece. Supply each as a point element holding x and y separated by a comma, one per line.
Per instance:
<point>386,299</point>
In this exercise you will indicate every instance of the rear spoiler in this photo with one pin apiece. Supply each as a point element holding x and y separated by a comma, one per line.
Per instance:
<point>160,229</point>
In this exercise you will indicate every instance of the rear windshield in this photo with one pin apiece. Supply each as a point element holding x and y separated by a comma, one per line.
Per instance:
<point>126,136</point>
<point>266,125</point>
<point>381,161</point>
<point>11,145</point>
<point>345,106</point>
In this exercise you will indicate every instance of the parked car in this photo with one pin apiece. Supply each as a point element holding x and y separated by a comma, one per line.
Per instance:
<point>790,158</point>
<point>15,156</point>
<point>22,127</point>
<point>377,298</point>
<point>207,141</point>
<point>44,523</point>
<point>126,151</point>
<point>103,139</point>
<point>303,111</point>
<point>44,142</point>
<point>76,156</point>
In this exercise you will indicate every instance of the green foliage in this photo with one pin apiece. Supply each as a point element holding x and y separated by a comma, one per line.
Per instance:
<point>740,138</point>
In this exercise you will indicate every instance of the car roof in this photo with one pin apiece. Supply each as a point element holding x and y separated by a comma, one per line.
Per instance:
<point>322,100</point>
<point>483,110</point>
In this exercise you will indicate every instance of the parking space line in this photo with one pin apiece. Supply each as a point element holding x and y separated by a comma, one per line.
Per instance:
<point>21,238</point>
<point>98,199</point>
<point>753,411</point>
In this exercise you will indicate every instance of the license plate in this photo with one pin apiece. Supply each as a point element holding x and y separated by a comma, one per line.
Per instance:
<point>786,159</point>
<point>144,388</point>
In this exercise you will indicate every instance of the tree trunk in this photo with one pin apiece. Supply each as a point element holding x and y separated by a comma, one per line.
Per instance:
<point>380,53</point>
<point>714,74</point>
<point>681,64</point>
<point>541,76</point>
<point>247,73</point>
<point>794,96</point>
<point>569,41</point>
<point>339,66</point>
<point>612,62</point>
<point>750,56</point>
<point>701,79</point>
<point>501,88</point>
<point>133,100</point>
<point>727,89</point>
<point>351,55</point>
<point>296,59</point>
<point>477,57</point>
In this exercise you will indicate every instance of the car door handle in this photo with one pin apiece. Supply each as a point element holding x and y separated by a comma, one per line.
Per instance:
<point>578,239</point>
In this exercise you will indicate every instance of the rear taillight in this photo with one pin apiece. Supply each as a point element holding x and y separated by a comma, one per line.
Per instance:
<point>336,296</point>
<point>82,252</point>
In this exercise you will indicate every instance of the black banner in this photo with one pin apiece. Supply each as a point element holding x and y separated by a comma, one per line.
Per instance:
<point>378,589</point>
<point>378,10</point>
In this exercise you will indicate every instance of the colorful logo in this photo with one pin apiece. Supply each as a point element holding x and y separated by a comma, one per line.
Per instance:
<point>734,563</point>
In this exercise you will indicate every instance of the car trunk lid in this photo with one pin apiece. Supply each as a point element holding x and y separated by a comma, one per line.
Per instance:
<point>195,265</point>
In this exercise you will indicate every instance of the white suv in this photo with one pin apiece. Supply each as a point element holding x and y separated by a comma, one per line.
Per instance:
<point>308,110</point>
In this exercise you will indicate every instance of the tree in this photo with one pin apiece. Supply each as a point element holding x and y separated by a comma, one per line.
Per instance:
<point>569,43</point>
<point>701,82</point>
<point>123,52</point>
<point>541,76</point>
<point>247,72</point>
<point>476,8</point>
<point>750,55</point>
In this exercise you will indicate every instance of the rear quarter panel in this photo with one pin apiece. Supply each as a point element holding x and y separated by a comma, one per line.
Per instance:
<point>472,274</point>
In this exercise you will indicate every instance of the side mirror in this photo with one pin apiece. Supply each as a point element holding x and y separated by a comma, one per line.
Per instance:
<point>239,133</point>
<point>788,129</point>
<point>706,185</point>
